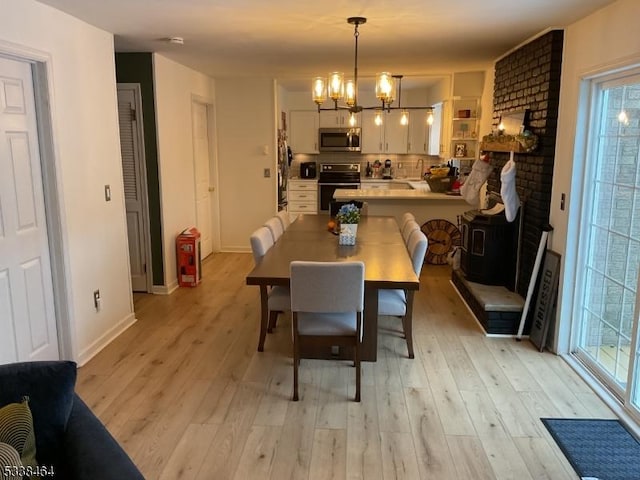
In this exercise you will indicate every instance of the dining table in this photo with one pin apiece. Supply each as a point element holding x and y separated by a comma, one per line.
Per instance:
<point>379,244</point>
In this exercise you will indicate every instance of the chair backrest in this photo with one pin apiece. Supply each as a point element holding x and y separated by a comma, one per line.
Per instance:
<point>327,287</point>
<point>409,227</point>
<point>261,242</point>
<point>283,215</point>
<point>405,218</point>
<point>417,250</point>
<point>275,226</point>
<point>412,234</point>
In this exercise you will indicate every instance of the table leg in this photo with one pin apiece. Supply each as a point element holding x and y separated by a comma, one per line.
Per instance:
<point>264,316</point>
<point>369,347</point>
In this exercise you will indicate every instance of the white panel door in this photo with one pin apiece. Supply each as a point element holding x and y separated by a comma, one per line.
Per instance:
<point>202,173</point>
<point>27,314</point>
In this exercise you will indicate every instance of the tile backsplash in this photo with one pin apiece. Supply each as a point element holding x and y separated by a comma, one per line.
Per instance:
<point>402,165</point>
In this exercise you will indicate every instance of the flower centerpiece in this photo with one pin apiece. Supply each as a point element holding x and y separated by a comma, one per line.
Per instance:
<point>348,217</point>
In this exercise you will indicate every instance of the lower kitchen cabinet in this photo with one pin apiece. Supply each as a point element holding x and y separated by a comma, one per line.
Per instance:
<point>302,196</point>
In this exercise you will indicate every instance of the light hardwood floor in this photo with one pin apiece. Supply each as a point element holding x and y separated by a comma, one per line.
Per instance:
<point>189,397</point>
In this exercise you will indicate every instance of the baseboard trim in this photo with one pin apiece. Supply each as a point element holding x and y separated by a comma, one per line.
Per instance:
<point>237,249</point>
<point>165,289</point>
<point>105,339</point>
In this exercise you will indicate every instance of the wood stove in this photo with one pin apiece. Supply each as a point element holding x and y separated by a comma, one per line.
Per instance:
<point>489,248</point>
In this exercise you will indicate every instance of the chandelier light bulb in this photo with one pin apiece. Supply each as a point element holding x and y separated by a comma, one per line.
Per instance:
<point>404,119</point>
<point>352,119</point>
<point>336,86</point>
<point>319,90</point>
<point>350,93</point>
<point>430,118</point>
<point>385,86</point>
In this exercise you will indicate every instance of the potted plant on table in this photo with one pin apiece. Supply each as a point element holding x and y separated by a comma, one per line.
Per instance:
<point>348,218</point>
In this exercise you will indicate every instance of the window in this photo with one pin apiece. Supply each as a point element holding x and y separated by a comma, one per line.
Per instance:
<point>606,315</point>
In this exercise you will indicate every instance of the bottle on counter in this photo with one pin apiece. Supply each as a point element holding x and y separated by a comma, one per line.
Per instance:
<point>369,170</point>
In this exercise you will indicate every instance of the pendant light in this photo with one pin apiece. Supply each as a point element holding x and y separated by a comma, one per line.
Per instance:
<point>335,87</point>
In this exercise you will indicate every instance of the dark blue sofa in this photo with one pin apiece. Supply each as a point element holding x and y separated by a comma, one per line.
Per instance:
<point>69,437</point>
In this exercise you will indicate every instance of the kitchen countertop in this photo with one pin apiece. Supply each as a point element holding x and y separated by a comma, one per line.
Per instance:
<point>343,194</point>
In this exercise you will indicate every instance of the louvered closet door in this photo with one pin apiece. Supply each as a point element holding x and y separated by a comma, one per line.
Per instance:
<point>133,175</point>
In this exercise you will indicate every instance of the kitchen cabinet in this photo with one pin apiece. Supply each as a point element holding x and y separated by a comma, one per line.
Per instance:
<point>304,131</point>
<point>337,119</point>
<point>419,131</point>
<point>464,130</point>
<point>390,137</point>
<point>302,196</point>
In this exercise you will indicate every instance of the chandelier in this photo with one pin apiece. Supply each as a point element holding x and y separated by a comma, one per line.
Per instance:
<point>337,89</point>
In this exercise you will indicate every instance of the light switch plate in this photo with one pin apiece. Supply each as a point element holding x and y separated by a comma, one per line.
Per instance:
<point>267,172</point>
<point>107,193</point>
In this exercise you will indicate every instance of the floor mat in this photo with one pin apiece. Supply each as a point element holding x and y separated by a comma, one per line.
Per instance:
<point>600,449</point>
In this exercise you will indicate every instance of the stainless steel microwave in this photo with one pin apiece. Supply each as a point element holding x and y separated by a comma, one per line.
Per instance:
<point>339,139</point>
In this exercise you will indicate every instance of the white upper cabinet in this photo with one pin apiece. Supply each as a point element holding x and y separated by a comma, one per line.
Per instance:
<point>337,119</point>
<point>372,135</point>
<point>395,134</point>
<point>390,137</point>
<point>418,132</point>
<point>304,131</point>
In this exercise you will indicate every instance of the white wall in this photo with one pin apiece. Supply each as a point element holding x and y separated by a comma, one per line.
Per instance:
<point>602,41</point>
<point>87,157</point>
<point>175,87</point>
<point>246,124</point>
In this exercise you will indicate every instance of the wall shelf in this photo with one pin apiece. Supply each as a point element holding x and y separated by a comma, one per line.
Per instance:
<point>509,143</point>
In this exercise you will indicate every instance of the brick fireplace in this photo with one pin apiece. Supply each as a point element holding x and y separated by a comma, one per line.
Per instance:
<point>526,79</point>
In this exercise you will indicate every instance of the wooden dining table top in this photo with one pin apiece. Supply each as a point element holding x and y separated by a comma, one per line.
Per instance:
<point>379,245</point>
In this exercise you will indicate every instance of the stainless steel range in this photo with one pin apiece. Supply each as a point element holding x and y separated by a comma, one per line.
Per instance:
<point>333,176</point>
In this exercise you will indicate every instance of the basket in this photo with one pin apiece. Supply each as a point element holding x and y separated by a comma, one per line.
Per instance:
<point>439,171</point>
<point>440,184</point>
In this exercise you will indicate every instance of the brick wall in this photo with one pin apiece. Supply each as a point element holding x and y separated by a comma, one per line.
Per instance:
<point>529,78</point>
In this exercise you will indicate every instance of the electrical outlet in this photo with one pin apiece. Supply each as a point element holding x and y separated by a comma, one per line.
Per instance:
<point>562,201</point>
<point>96,299</point>
<point>267,172</point>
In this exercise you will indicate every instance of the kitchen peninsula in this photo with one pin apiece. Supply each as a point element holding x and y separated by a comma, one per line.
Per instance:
<point>418,199</point>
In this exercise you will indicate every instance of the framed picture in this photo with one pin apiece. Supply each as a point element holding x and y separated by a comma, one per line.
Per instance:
<point>461,150</point>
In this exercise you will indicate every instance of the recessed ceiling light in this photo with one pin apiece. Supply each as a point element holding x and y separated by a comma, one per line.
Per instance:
<point>176,40</point>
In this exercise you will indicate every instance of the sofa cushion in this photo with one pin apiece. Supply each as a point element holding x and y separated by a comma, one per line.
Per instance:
<point>16,429</point>
<point>50,388</point>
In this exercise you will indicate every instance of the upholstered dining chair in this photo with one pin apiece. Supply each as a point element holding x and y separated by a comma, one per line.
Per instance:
<point>278,297</point>
<point>399,303</point>
<point>405,218</point>
<point>408,228</point>
<point>274,224</point>
<point>327,300</point>
<point>283,215</point>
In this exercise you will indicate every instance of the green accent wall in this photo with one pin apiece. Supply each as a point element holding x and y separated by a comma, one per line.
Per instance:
<point>138,68</point>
